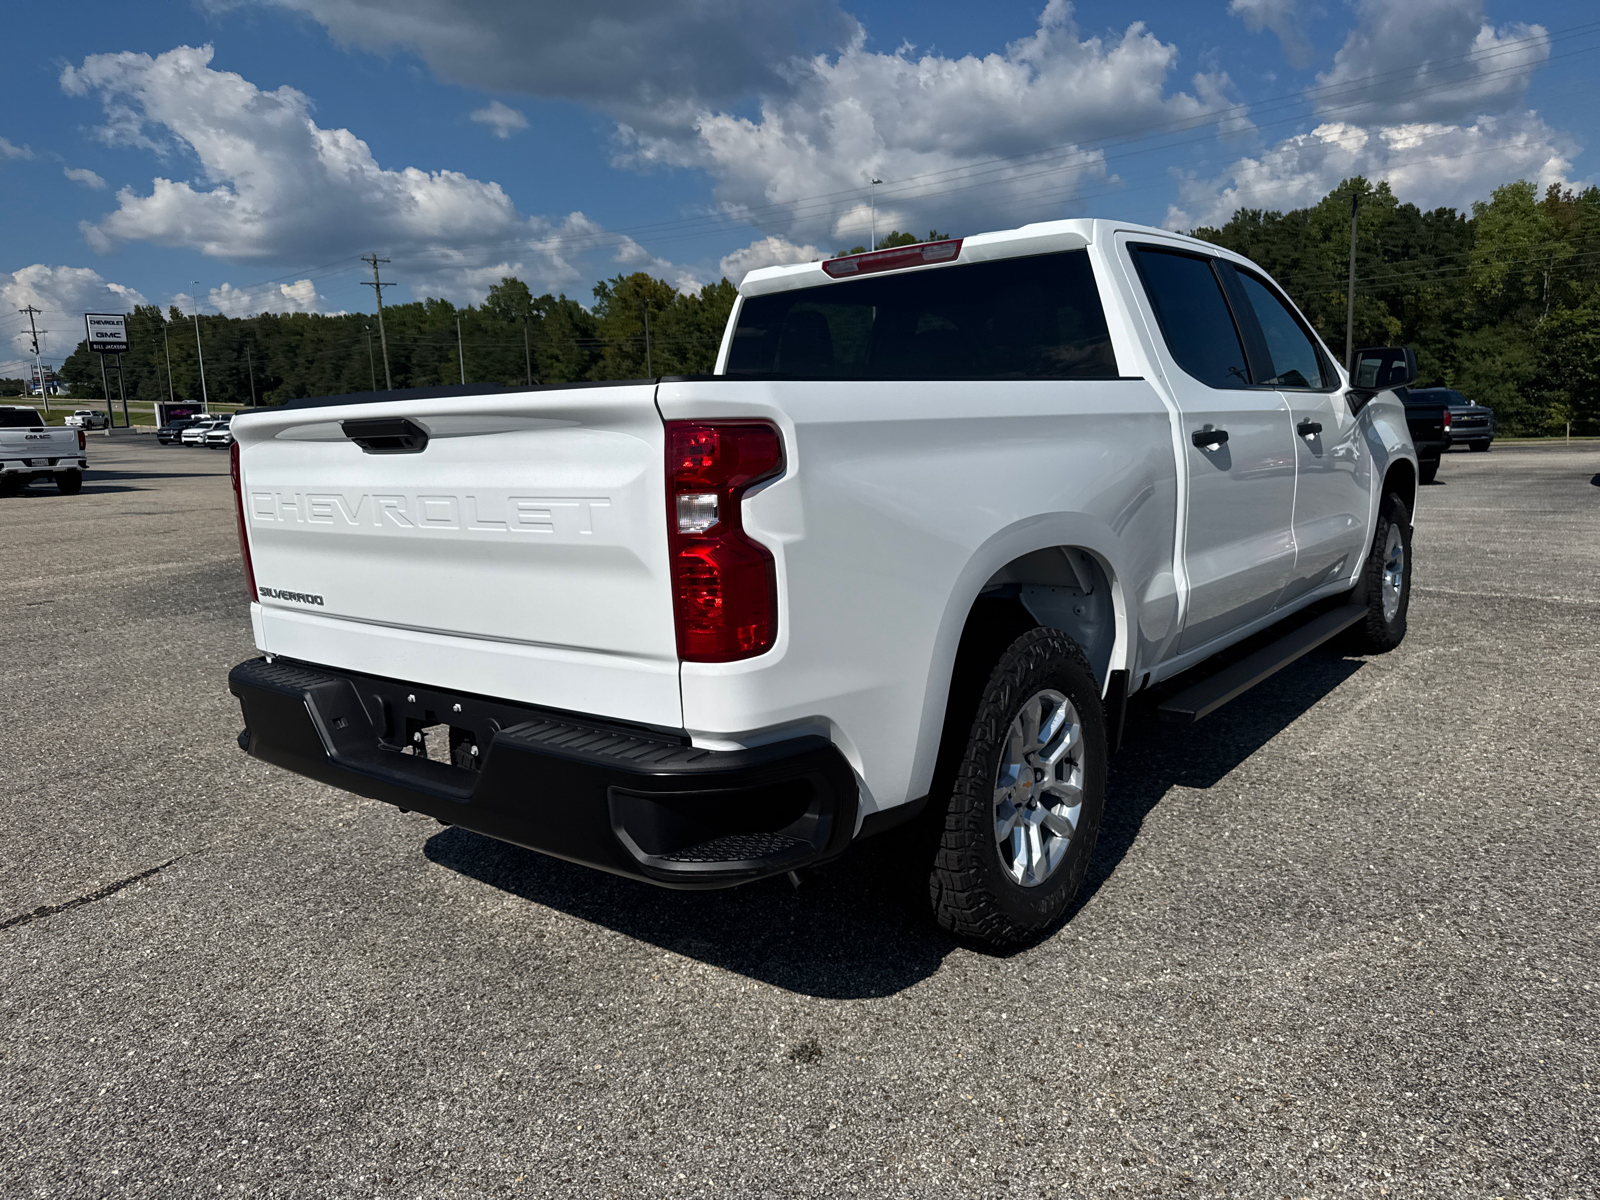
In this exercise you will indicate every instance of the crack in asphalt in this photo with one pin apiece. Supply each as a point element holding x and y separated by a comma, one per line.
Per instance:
<point>50,910</point>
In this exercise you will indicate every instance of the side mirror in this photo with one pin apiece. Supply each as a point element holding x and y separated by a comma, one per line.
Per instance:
<point>1379,368</point>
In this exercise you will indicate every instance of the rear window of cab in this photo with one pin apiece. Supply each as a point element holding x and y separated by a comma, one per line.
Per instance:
<point>1037,317</point>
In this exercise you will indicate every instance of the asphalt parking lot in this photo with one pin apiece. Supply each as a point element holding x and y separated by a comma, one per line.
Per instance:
<point>1340,938</point>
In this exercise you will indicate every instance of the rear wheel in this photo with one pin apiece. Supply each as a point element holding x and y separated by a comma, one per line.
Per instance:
<point>1387,579</point>
<point>1428,470</point>
<point>1027,798</point>
<point>70,482</point>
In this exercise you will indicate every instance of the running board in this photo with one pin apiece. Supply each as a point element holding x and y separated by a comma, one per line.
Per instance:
<point>1212,693</point>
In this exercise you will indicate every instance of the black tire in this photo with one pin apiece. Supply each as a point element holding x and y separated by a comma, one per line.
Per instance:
<point>1382,632</point>
<point>972,891</point>
<point>70,482</point>
<point>10,485</point>
<point>1428,470</point>
<point>1480,447</point>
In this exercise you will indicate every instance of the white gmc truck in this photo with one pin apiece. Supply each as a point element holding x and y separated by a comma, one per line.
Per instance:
<point>938,512</point>
<point>30,450</point>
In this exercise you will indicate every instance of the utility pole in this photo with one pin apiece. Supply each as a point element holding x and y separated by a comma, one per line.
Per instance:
<point>38,366</point>
<point>372,366</point>
<point>649,371</point>
<point>1350,302</point>
<point>872,240</point>
<point>250,366</point>
<point>527,352</point>
<point>377,285</point>
<point>205,399</point>
<point>461,355</point>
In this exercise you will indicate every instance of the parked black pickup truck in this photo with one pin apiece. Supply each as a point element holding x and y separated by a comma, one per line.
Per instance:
<point>1427,413</point>
<point>1471,424</point>
<point>1429,419</point>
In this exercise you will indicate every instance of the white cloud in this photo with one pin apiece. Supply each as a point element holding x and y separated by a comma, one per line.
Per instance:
<point>84,176</point>
<point>501,118</point>
<point>1286,18</point>
<point>11,150</point>
<point>281,188</point>
<point>1429,60</point>
<point>64,294</point>
<point>766,252</point>
<point>643,60</point>
<point>1427,164</point>
<point>275,187</point>
<point>300,296</point>
<point>931,127</point>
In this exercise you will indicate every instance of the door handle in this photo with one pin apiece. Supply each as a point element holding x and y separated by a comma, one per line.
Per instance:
<point>1308,428</point>
<point>1209,438</point>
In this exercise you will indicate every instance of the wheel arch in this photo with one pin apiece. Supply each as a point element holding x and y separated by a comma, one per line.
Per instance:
<point>1401,477</point>
<point>1057,573</point>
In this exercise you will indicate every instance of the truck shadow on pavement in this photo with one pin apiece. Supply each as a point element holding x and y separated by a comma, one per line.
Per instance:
<point>861,928</point>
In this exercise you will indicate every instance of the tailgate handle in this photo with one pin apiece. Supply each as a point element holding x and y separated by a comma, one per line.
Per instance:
<point>386,435</point>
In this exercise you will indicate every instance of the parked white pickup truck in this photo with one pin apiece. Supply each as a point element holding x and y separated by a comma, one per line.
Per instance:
<point>30,450</point>
<point>937,513</point>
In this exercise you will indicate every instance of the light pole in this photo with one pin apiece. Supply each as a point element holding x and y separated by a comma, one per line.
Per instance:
<point>167,350</point>
<point>205,400</point>
<point>872,240</point>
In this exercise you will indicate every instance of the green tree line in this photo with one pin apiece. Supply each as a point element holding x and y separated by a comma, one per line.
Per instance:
<point>512,337</point>
<point>1502,303</point>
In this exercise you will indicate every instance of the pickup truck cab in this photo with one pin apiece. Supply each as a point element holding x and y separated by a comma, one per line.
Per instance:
<point>904,555</point>
<point>31,450</point>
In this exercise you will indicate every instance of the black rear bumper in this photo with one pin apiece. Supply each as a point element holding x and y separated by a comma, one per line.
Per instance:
<point>631,801</point>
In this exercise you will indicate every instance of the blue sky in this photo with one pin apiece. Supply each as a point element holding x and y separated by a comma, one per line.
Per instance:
<point>260,146</point>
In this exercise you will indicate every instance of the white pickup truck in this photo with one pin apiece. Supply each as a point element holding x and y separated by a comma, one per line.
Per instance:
<point>30,450</point>
<point>938,512</point>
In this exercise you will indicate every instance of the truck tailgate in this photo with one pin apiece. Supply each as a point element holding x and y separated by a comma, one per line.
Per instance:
<point>519,549</point>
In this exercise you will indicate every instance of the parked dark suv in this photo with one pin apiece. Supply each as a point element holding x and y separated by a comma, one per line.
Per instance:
<point>1471,424</point>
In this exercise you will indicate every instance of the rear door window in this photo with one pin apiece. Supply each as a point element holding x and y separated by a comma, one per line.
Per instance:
<point>1037,317</point>
<point>1295,361</point>
<point>1194,316</point>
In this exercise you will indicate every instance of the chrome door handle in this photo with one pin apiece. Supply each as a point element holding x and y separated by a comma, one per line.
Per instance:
<point>1209,438</point>
<point>1308,428</point>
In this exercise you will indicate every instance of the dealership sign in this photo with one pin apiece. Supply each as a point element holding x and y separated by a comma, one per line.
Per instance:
<point>108,332</point>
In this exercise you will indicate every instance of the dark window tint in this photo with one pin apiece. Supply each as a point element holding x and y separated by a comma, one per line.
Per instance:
<point>1194,317</point>
<point>1295,361</point>
<point>1017,318</point>
<point>18,418</point>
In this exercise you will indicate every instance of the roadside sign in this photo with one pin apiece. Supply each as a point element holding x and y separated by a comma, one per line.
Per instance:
<point>108,332</point>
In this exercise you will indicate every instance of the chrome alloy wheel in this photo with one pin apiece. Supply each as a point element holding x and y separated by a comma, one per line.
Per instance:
<point>1394,571</point>
<point>1038,790</point>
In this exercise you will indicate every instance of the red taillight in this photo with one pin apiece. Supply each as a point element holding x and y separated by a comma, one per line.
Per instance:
<point>724,584</point>
<point>1447,418</point>
<point>890,260</point>
<point>83,440</point>
<point>238,509</point>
